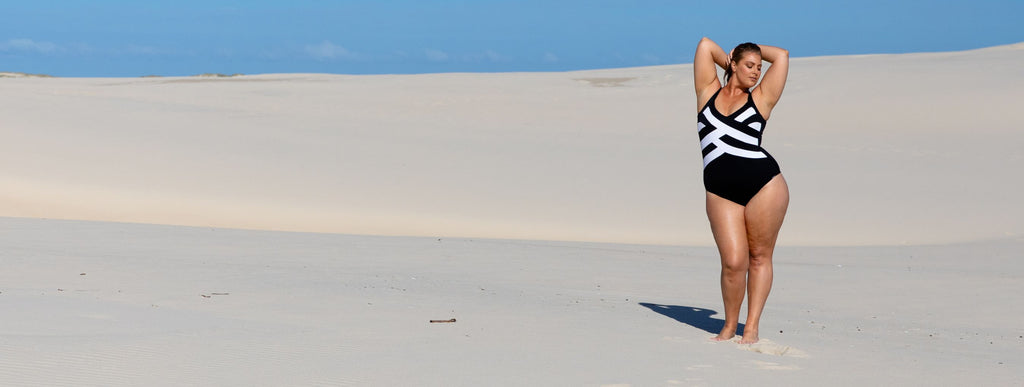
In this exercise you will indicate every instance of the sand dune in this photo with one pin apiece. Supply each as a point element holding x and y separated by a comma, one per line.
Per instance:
<point>878,149</point>
<point>899,263</point>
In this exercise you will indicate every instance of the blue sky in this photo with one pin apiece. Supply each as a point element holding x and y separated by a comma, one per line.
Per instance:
<point>125,38</point>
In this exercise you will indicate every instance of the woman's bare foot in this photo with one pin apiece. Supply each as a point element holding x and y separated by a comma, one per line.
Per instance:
<point>725,335</point>
<point>749,336</point>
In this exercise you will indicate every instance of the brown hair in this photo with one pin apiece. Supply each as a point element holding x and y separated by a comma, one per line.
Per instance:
<point>738,53</point>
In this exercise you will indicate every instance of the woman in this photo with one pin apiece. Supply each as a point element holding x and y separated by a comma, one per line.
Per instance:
<point>746,194</point>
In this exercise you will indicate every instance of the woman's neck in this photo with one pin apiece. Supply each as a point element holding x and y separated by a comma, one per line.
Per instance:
<point>733,88</point>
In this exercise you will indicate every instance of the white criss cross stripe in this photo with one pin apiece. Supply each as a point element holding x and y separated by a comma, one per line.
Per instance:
<point>722,130</point>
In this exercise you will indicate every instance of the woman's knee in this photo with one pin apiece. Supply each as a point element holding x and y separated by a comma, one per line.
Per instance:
<point>735,265</point>
<point>760,257</point>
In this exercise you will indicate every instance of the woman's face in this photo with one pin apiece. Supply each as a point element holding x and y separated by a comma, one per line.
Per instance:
<point>748,70</point>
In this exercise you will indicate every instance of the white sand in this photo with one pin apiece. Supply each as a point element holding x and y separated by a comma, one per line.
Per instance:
<point>909,161</point>
<point>320,309</point>
<point>872,146</point>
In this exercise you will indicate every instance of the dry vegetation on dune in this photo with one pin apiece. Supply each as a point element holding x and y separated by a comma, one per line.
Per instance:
<point>218,75</point>
<point>14,74</point>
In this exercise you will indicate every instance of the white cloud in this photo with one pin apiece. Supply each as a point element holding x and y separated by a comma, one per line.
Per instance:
<point>486,56</point>
<point>30,45</point>
<point>49,48</point>
<point>550,58</point>
<point>492,56</point>
<point>136,50</point>
<point>328,50</point>
<point>274,53</point>
<point>436,55</point>
<point>143,50</point>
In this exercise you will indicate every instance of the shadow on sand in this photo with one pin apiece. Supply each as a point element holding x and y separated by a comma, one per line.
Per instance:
<point>695,317</point>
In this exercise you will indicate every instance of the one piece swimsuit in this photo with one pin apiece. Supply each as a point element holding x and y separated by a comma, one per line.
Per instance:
<point>735,165</point>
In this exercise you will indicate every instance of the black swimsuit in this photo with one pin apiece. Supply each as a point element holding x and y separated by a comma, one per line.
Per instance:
<point>735,165</point>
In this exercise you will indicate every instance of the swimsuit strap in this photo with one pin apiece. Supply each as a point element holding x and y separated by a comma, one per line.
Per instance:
<point>750,101</point>
<point>712,99</point>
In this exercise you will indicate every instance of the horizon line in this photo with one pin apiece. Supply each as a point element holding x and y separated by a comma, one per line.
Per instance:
<point>24,74</point>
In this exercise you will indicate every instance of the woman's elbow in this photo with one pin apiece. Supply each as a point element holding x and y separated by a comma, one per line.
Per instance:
<point>777,54</point>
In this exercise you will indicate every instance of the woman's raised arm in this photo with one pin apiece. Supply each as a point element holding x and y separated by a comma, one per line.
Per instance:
<point>774,80</point>
<point>705,75</point>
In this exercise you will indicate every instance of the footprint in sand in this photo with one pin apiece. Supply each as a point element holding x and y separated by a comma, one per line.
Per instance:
<point>767,365</point>
<point>676,339</point>
<point>689,381</point>
<point>769,347</point>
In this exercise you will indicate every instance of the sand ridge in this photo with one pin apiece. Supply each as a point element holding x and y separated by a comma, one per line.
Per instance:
<point>877,150</point>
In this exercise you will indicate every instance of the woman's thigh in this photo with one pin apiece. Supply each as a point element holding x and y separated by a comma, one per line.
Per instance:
<point>764,214</point>
<point>728,225</point>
